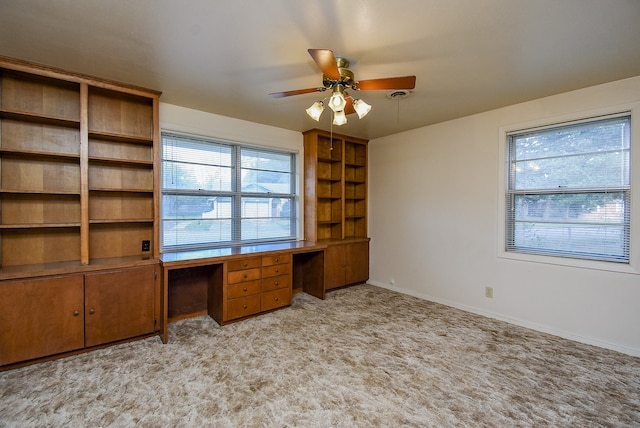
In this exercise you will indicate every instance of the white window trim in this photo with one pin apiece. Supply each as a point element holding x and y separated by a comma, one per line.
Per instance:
<point>633,267</point>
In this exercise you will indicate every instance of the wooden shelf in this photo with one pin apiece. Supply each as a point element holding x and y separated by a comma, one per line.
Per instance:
<point>38,225</point>
<point>121,138</point>
<point>329,160</point>
<point>38,192</point>
<point>122,220</point>
<point>39,118</point>
<point>128,190</point>
<point>130,162</point>
<point>38,154</point>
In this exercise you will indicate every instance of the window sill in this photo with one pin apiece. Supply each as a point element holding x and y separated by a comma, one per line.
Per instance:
<point>624,268</point>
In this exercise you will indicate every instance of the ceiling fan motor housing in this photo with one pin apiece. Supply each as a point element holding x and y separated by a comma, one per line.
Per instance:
<point>346,75</point>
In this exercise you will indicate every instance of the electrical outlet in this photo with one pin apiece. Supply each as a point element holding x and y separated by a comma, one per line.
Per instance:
<point>488,292</point>
<point>146,245</point>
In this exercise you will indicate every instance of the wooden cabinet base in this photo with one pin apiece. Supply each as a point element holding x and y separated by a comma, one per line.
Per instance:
<point>251,286</point>
<point>51,317</point>
<point>346,264</point>
<point>40,317</point>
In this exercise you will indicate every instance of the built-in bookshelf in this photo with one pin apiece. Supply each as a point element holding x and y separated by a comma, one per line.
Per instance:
<point>77,167</point>
<point>335,186</point>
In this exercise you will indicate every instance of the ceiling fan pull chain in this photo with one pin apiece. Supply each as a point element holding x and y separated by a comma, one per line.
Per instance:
<point>331,135</point>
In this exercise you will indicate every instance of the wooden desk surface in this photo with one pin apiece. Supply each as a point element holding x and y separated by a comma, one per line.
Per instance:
<point>217,255</point>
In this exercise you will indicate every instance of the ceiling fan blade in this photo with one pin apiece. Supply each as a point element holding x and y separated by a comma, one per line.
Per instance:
<point>348,108</point>
<point>406,82</point>
<point>296,92</point>
<point>327,62</point>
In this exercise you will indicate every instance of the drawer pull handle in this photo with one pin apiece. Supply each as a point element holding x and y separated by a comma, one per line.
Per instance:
<point>244,306</point>
<point>244,276</point>
<point>277,270</point>
<point>244,264</point>
<point>76,313</point>
<point>275,283</point>
<point>276,299</point>
<point>275,260</point>
<point>244,289</point>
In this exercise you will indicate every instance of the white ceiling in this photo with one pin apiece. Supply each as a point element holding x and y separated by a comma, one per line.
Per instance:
<point>226,56</point>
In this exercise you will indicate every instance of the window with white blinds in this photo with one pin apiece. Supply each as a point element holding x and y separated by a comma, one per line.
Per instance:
<point>217,194</point>
<point>569,189</point>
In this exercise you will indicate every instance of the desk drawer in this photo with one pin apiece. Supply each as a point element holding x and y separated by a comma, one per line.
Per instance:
<point>243,307</point>
<point>243,289</point>
<point>276,260</point>
<point>276,270</point>
<point>243,275</point>
<point>276,282</point>
<point>243,264</point>
<point>276,299</point>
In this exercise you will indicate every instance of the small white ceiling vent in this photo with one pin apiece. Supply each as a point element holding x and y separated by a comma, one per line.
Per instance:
<point>398,94</point>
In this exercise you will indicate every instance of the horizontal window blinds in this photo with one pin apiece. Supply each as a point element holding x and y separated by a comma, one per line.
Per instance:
<point>216,193</point>
<point>569,190</point>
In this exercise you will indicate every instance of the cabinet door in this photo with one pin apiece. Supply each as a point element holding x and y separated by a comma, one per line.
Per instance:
<point>357,262</point>
<point>119,304</point>
<point>40,317</point>
<point>334,266</point>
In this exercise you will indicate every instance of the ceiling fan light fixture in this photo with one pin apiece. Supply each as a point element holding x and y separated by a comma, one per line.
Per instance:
<point>316,110</point>
<point>339,118</point>
<point>337,101</point>
<point>361,108</point>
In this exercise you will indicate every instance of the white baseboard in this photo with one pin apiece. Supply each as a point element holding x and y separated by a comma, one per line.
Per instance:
<point>533,326</point>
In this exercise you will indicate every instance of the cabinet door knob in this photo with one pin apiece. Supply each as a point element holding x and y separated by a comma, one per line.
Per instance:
<point>92,311</point>
<point>76,313</point>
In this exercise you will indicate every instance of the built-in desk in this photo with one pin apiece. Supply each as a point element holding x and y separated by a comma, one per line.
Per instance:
<point>224,282</point>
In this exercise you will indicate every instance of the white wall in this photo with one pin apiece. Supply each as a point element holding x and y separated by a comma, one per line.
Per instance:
<point>434,223</point>
<point>198,123</point>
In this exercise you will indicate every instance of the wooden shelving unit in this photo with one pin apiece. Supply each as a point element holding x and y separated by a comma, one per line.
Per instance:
<point>78,167</point>
<point>335,204</point>
<point>335,168</point>
<point>79,183</point>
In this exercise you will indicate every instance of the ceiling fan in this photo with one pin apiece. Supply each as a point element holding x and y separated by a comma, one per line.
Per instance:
<point>338,77</point>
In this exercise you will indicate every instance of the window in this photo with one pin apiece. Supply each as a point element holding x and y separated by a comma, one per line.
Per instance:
<point>568,190</point>
<point>218,194</point>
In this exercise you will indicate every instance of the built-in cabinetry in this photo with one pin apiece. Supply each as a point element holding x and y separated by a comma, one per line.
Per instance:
<point>77,159</point>
<point>78,211</point>
<point>231,284</point>
<point>252,285</point>
<point>45,316</point>
<point>346,263</point>
<point>120,304</point>
<point>335,211</point>
<point>335,174</point>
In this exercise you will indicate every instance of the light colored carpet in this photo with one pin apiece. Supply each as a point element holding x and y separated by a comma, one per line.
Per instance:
<point>363,357</point>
